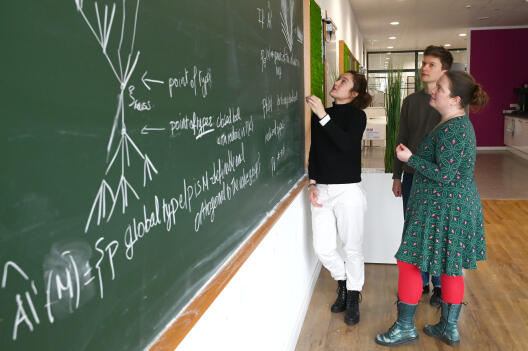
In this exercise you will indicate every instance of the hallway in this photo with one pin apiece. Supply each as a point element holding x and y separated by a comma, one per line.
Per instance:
<point>496,314</point>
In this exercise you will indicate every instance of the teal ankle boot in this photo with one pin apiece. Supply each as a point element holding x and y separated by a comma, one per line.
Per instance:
<point>446,330</point>
<point>403,330</point>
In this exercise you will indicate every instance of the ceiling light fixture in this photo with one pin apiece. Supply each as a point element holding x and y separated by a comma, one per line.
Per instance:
<point>462,35</point>
<point>447,44</point>
<point>390,47</point>
<point>395,23</point>
<point>392,38</point>
<point>468,6</point>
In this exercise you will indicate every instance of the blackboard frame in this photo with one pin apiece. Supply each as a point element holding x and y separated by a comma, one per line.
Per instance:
<point>63,216</point>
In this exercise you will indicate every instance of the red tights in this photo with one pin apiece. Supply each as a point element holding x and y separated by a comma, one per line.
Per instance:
<point>410,285</point>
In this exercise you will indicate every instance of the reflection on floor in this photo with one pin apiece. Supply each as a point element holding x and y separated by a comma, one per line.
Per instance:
<point>499,174</point>
<point>373,157</point>
<point>496,316</point>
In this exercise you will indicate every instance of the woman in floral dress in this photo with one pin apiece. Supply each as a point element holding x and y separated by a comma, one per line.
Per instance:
<point>444,226</point>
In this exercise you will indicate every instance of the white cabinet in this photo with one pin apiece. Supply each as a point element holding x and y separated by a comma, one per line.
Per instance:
<point>376,126</point>
<point>383,220</point>
<point>516,133</point>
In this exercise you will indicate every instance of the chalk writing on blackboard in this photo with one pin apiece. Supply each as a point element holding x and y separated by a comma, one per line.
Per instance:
<point>252,140</point>
<point>265,15</point>
<point>69,282</point>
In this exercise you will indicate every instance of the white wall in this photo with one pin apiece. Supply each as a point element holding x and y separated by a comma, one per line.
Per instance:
<point>340,11</point>
<point>263,307</point>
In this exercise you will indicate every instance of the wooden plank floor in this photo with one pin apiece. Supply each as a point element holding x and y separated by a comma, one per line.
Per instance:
<point>495,317</point>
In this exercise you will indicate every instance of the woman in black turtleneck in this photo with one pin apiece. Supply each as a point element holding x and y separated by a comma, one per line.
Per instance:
<point>337,197</point>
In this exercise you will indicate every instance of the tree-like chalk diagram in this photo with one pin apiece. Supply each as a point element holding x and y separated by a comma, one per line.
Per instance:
<point>117,153</point>
<point>286,15</point>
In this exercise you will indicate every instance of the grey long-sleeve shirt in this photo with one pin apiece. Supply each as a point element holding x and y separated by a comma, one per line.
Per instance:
<point>417,119</point>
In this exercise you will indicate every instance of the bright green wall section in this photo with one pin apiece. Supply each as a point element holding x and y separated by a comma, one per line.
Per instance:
<point>316,45</point>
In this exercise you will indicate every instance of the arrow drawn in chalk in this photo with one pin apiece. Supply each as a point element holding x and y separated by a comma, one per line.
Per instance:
<point>145,129</point>
<point>145,80</point>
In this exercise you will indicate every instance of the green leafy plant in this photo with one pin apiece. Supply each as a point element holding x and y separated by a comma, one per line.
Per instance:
<point>392,107</point>
<point>418,80</point>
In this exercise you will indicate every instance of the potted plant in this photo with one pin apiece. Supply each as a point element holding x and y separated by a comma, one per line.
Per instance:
<point>384,218</point>
<point>392,106</point>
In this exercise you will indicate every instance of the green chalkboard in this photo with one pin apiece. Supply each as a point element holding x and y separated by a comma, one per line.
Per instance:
<point>142,143</point>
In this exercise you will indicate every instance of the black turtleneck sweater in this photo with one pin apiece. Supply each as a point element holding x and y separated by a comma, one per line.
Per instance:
<point>335,152</point>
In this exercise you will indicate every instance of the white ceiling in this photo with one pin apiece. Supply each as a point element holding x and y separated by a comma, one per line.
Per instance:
<point>425,22</point>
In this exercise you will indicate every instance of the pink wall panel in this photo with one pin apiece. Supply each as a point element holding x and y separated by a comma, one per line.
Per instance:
<point>498,61</point>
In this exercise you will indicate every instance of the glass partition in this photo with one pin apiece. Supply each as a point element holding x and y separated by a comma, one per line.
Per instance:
<point>378,64</point>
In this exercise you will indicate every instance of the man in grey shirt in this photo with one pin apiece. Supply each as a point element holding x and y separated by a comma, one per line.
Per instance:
<point>417,119</point>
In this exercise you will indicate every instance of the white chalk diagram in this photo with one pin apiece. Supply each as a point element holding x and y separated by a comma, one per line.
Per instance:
<point>286,15</point>
<point>119,154</point>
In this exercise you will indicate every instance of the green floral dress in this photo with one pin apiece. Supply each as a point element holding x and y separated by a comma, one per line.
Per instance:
<point>444,227</point>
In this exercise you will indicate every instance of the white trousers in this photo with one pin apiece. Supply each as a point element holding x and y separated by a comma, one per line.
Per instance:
<point>343,212</point>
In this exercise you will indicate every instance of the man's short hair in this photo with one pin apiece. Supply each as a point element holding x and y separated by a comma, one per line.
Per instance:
<point>442,54</point>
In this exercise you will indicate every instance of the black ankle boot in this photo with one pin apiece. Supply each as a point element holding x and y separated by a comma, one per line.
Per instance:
<point>352,307</point>
<point>436,298</point>
<point>425,289</point>
<point>340,303</point>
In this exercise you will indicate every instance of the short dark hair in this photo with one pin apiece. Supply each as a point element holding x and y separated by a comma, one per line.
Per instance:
<point>360,86</point>
<point>442,54</point>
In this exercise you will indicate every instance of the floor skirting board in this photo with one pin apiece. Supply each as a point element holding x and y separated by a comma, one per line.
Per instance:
<point>296,331</point>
